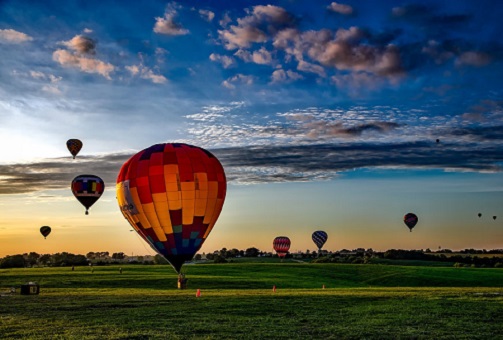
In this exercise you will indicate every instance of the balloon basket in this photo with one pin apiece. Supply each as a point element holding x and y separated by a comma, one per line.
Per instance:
<point>182,283</point>
<point>30,288</point>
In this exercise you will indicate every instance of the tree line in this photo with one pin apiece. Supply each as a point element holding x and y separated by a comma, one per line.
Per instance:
<point>466,257</point>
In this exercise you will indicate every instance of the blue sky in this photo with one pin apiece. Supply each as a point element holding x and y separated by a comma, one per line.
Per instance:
<point>314,104</point>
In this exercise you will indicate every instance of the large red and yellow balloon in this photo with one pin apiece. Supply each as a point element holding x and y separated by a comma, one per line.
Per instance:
<point>172,195</point>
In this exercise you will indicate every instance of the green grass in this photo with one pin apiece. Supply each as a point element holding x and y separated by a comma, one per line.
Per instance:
<point>360,301</point>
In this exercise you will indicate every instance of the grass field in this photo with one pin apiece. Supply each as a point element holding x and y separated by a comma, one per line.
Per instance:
<point>237,301</point>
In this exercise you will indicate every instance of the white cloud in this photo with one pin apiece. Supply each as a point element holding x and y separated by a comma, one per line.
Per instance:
<point>11,36</point>
<point>282,76</point>
<point>473,58</point>
<point>207,15</point>
<point>262,57</point>
<point>146,73</point>
<point>238,79</point>
<point>167,25</point>
<point>340,8</point>
<point>312,68</point>
<point>85,64</point>
<point>81,44</point>
<point>226,61</point>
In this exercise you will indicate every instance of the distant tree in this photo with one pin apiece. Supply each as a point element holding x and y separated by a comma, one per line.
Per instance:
<point>118,256</point>
<point>233,252</point>
<point>210,256</point>
<point>91,255</point>
<point>251,252</point>
<point>198,257</point>
<point>223,253</point>
<point>13,261</point>
<point>219,259</point>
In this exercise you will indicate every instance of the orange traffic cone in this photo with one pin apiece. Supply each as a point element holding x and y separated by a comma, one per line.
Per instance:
<point>274,289</point>
<point>198,293</point>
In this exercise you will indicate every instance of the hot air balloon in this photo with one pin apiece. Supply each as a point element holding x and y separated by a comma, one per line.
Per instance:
<point>172,195</point>
<point>87,189</point>
<point>410,220</point>
<point>319,238</point>
<point>45,231</point>
<point>281,244</point>
<point>494,217</point>
<point>480,215</point>
<point>74,146</point>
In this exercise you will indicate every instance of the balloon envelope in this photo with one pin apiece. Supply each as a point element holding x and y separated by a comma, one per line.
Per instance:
<point>281,244</point>
<point>172,195</point>
<point>480,214</point>
<point>87,189</point>
<point>74,146</point>
<point>410,220</point>
<point>494,217</point>
<point>45,231</point>
<point>319,238</point>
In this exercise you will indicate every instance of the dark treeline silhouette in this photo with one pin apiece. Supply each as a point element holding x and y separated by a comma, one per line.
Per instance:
<point>461,258</point>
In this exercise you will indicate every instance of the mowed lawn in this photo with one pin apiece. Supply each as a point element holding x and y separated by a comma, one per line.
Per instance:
<point>237,301</point>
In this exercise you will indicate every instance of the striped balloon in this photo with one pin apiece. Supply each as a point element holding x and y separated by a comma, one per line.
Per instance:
<point>319,238</point>
<point>281,244</point>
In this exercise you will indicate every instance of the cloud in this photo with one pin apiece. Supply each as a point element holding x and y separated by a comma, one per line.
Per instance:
<point>340,8</point>
<point>481,133</point>
<point>146,73</point>
<point>238,79</point>
<point>81,44</point>
<point>282,76</point>
<point>269,163</point>
<point>11,36</point>
<point>167,25</point>
<point>226,61</point>
<point>207,15</point>
<point>473,58</point>
<point>312,68</point>
<point>85,64</point>
<point>263,22</point>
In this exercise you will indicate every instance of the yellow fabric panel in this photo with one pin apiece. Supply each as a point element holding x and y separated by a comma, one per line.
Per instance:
<point>160,197</point>
<point>188,211</point>
<point>188,194</point>
<point>203,194</point>
<point>202,179</point>
<point>171,186</point>
<point>141,216</point>
<point>162,210</point>
<point>159,232</point>
<point>175,200</point>
<point>188,186</point>
<point>210,206</point>
<point>121,197</point>
<point>151,215</point>
<point>200,207</point>
<point>170,169</point>
<point>212,189</point>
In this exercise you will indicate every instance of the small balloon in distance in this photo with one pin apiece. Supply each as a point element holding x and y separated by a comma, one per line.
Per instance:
<point>410,220</point>
<point>87,189</point>
<point>74,146</point>
<point>45,231</point>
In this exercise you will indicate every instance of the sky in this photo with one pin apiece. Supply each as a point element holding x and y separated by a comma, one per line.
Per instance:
<point>325,116</point>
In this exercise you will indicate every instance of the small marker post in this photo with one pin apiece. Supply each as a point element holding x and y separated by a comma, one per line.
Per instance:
<point>274,289</point>
<point>323,287</point>
<point>198,293</point>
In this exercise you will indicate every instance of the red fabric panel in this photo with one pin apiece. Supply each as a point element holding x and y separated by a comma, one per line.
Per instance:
<point>176,217</point>
<point>169,158</point>
<point>157,184</point>
<point>144,194</point>
<point>142,168</point>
